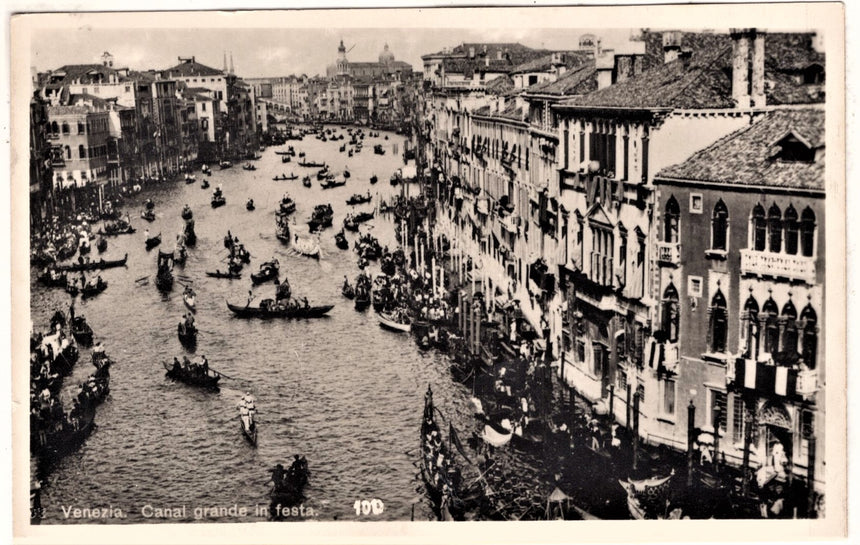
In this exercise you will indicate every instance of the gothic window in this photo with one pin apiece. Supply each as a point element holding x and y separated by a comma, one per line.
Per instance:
<point>670,220</point>
<point>807,232</point>
<point>789,336</point>
<point>719,322</point>
<point>809,319</point>
<point>770,314</point>
<point>719,226</point>
<point>751,326</point>
<point>791,227</point>
<point>759,228</point>
<point>55,128</point>
<point>65,128</point>
<point>774,226</point>
<point>68,152</point>
<point>82,152</point>
<point>671,313</point>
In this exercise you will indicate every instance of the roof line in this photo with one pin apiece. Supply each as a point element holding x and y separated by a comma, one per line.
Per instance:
<point>739,187</point>
<point>703,69</point>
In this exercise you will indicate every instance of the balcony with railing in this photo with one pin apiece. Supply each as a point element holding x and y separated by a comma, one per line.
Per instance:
<point>768,264</point>
<point>669,253</point>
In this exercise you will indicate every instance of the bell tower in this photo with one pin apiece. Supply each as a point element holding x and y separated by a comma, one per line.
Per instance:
<point>342,64</point>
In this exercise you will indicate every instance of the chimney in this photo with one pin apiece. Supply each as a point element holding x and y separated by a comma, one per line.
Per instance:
<point>748,67</point>
<point>757,93</point>
<point>671,45</point>
<point>605,65</point>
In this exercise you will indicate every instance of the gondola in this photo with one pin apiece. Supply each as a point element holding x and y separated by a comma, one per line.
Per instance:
<point>194,377</point>
<point>285,178</point>
<point>152,242</point>
<point>444,491</point>
<point>248,427</point>
<point>187,214</point>
<point>268,271</point>
<point>286,159</point>
<point>373,179</point>
<point>288,491</point>
<point>218,201</point>
<point>93,265</point>
<point>306,181</point>
<point>282,228</point>
<point>249,167</point>
<point>311,164</point>
<point>284,153</point>
<point>164,280</point>
<point>220,274</point>
<point>249,206</point>
<point>91,290</point>
<point>331,184</point>
<point>359,199</point>
<point>393,323</point>
<point>287,205</point>
<point>204,184</point>
<point>187,334</point>
<point>190,299</point>
<point>81,331</point>
<point>340,240</point>
<point>377,149</point>
<point>362,299</point>
<point>63,441</point>
<point>190,235</point>
<point>148,215</point>
<point>269,309</point>
<point>225,164</point>
<point>190,179</point>
<point>206,170</point>
<point>116,229</point>
<point>346,174</point>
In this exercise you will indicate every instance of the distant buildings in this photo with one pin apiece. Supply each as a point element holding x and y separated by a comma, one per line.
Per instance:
<point>108,126</point>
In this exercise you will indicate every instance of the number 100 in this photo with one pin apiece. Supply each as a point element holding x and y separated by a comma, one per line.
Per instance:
<point>367,507</point>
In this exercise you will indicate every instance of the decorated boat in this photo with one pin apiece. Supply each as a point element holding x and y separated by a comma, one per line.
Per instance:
<point>308,247</point>
<point>190,299</point>
<point>164,275</point>
<point>287,205</point>
<point>648,498</point>
<point>331,184</point>
<point>397,320</point>
<point>93,287</point>
<point>359,199</point>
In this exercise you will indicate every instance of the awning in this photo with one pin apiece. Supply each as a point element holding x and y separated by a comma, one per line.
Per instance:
<point>491,436</point>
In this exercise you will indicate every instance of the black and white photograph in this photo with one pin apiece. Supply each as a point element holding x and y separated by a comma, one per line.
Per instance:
<point>405,265</point>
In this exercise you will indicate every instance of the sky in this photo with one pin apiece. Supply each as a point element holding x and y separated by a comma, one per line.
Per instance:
<point>280,52</point>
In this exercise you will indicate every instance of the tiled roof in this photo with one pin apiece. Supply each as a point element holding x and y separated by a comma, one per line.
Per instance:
<point>544,63</point>
<point>512,111</point>
<point>578,81</point>
<point>75,71</point>
<point>500,85</point>
<point>748,156</point>
<point>192,68</point>
<point>704,81</point>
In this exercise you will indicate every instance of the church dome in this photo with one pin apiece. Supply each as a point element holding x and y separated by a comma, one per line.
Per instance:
<point>386,56</point>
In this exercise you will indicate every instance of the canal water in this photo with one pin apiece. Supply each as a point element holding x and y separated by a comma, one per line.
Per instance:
<point>341,391</point>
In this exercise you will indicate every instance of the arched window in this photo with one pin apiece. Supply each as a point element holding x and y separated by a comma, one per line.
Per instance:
<point>671,313</point>
<point>65,128</point>
<point>759,228</point>
<point>791,227</point>
<point>770,319</point>
<point>82,129</point>
<point>68,152</point>
<point>670,220</point>
<point>809,347</point>
<point>789,335</point>
<point>55,128</point>
<point>719,322</point>
<point>82,152</point>
<point>719,226</point>
<point>774,227</point>
<point>751,327</point>
<point>807,232</point>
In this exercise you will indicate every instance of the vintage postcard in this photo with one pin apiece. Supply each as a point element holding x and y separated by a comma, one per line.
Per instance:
<point>556,271</point>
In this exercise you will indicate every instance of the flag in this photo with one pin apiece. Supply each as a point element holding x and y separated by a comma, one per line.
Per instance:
<point>456,440</point>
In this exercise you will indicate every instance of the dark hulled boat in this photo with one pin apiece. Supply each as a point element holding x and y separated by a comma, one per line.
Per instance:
<point>194,377</point>
<point>269,309</point>
<point>93,289</point>
<point>81,331</point>
<point>152,242</point>
<point>187,334</point>
<point>93,265</point>
<point>218,201</point>
<point>268,271</point>
<point>220,274</point>
<point>359,199</point>
<point>340,240</point>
